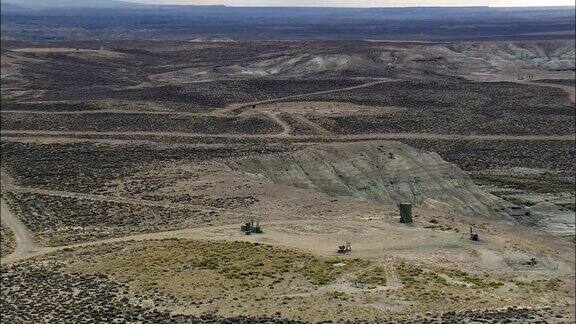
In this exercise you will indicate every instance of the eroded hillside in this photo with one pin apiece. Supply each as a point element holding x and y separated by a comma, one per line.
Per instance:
<point>387,172</point>
<point>389,59</point>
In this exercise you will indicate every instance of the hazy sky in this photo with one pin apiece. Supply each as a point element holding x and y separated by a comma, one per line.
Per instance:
<point>369,3</point>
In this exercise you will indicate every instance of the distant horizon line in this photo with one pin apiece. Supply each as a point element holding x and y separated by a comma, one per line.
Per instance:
<point>344,7</point>
<point>456,6</point>
<point>439,6</point>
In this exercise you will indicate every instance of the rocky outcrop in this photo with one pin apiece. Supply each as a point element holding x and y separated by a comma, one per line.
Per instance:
<point>383,171</point>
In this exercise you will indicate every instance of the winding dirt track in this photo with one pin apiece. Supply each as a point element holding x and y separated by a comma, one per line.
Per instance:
<point>319,129</point>
<point>230,108</point>
<point>376,136</point>
<point>220,112</point>
<point>286,128</point>
<point>26,247</point>
<point>225,112</point>
<point>24,239</point>
<point>21,255</point>
<point>321,245</point>
<point>124,200</point>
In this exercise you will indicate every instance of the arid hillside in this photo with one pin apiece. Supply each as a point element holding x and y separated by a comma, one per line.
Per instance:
<point>380,59</point>
<point>386,172</point>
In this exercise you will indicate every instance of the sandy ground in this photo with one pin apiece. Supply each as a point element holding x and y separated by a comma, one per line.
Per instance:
<point>374,238</point>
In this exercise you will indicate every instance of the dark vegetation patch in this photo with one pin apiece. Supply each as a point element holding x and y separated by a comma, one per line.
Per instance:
<point>7,240</point>
<point>66,220</point>
<point>67,74</point>
<point>509,314</point>
<point>475,155</point>
<point>88,168</point>
<point>34,293</point>
<point>298,127</point>
<point>174,138</point>
<point>270,88</point>
<point>373,276</point>
<point>224,92</point>
<point>92,105</point>
<point>126,122</point>
<point>454,107</point>
<point>50,106</point>
<point>66,297</point>
<point>447,121</point>
<point>544,183</point>
<point>204,200</point>
<point>488,98</point>
<point>173,94</point>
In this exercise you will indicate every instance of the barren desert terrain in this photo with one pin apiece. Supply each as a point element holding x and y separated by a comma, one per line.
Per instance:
<point>129,167</point>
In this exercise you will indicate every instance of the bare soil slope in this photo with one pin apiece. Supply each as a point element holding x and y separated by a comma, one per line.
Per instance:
<point>386,59</point>
<point>387,172</point>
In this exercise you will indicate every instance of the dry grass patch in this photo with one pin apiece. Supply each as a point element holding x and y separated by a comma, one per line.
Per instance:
<point>242,278</point>
<point>216,272</point>
<point>441,289</point>
<point>373,276</point>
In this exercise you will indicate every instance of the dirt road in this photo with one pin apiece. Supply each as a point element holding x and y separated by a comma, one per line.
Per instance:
<point>383,239</point>
<point>124,200</point>
<point>286,128</point>
<point>302,235</point>
<point>375,136</point>
<point>24,239</point>
<point>319,129</point>
<point>231,108</point>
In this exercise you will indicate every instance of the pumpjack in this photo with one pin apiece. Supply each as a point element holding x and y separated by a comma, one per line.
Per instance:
<point>346,248</point>
<point>473,234</point>
<point>251,227</point>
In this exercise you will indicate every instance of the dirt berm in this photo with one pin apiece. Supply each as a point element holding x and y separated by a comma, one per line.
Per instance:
<point>383,171</point>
